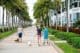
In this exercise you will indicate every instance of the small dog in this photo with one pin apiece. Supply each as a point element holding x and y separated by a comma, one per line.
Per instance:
<point>29,43</point>
<point>17,40</point>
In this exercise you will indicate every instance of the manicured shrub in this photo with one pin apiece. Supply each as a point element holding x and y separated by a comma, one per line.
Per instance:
<point>0,30</point>
<point>72,38</point>
<point>65,35</point>
<point>52,31</point>
<point>5,29</point>
<point>71,35</point>
<point>75,42</point>
<point>55,31</point>
<point>60,35</point>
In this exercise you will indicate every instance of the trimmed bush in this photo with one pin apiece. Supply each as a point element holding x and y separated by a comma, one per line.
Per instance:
<point>65,35</point>
<point>75,42</point>
<point>71,35</point>
<point>1,30</point>
<point>60,35</point>
<point>52,31</point>
<point>72,38</point>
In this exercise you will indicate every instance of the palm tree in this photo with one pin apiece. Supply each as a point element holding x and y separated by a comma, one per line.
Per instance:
<point>2,4</point>
<point>12,6</point>
<point>56,4</point>
<point>41,10</point>
<point>20,7</point>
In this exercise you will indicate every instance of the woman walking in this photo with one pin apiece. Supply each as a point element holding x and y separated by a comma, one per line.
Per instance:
<point>39,34</point>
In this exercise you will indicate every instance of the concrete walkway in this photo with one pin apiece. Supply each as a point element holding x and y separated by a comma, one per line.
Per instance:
<point>8,45</point>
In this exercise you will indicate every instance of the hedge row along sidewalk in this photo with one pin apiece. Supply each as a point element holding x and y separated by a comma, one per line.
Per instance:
<point>64,45</point>
<point>6,34</point>
<point>72,38</point>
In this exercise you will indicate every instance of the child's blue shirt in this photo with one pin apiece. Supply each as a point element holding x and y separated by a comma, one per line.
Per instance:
<point>45,33</point>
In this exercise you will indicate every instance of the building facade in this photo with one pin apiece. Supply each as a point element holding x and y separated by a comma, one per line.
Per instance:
<point>74,13</point>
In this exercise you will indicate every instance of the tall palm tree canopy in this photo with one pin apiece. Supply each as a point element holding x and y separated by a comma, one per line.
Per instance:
<point>42,7</point>
<point>18,7</point>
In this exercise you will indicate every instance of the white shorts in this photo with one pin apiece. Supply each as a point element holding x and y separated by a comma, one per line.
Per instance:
<point>45,40</point>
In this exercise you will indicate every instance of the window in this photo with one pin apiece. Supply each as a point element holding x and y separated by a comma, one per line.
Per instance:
<point>76,4</point>
<point>77,0</point>
<point>74,17</point>
<point>70,17</point>
<point>79,4</point>
<point>70,1</point>
<point>78,16</point>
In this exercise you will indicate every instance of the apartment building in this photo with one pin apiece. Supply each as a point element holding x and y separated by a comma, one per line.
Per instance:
<point>74,13</point>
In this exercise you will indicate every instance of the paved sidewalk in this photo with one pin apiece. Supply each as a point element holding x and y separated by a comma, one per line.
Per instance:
<point>8,45</point>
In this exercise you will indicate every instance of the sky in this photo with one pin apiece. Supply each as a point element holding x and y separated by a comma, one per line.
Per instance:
<point>30,4</point>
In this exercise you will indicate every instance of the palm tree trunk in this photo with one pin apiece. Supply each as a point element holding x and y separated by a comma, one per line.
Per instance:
<point>61,19</point>
<point>7,19</point>
<point>12,21</point>
<point>3,20</point>
<point>9,16</point>
<point>48,20</point>
<point>16,21</point>
<point>56,21</point>
<point>45,22</point>
<point>67,7</point>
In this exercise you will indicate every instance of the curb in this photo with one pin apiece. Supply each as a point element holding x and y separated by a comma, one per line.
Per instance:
<point>56,47</point>
<point>61,41</point>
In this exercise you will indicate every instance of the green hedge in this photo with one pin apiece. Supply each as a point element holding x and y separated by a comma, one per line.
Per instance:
<point>72,38</point>
<point>5,29</point>
<point>75,42</point>
<point>60,35</point>
<point>52,31</point>
<point>66,36</point>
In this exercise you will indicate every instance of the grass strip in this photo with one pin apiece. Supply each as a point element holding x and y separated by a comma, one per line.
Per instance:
<point>64,46</point>
<point>67,48</point>
<point>6,34</point>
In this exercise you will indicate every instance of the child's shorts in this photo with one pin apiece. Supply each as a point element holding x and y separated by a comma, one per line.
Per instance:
<point>20,35</point>
<point>45,40</point>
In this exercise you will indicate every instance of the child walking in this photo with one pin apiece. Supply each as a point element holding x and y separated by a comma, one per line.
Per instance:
<point>20,33</point>
<point>45,35</point>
